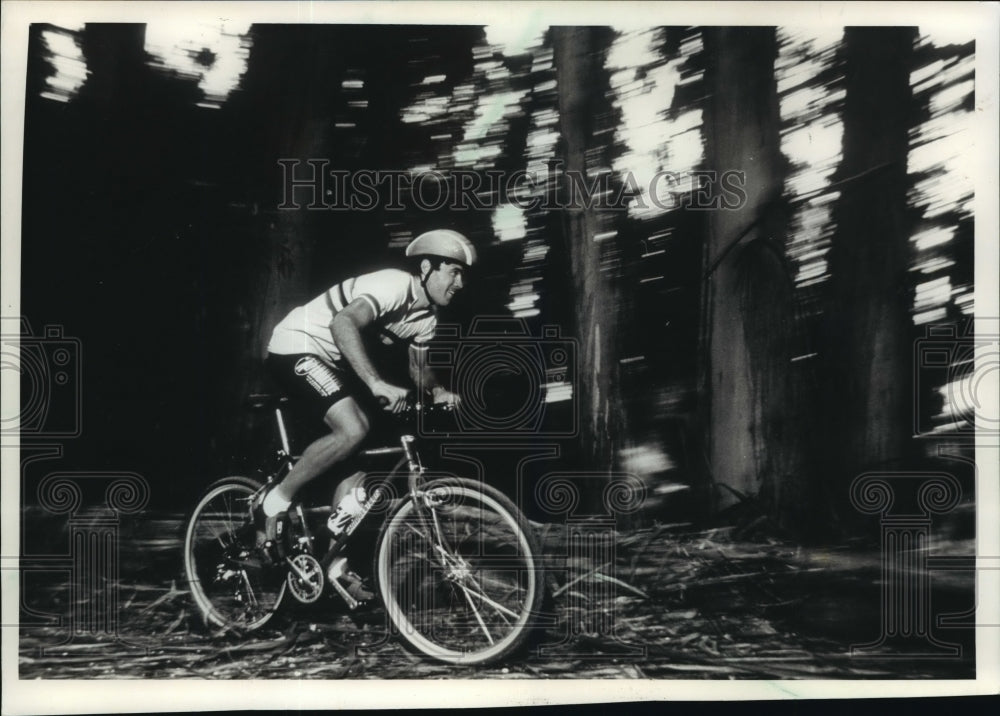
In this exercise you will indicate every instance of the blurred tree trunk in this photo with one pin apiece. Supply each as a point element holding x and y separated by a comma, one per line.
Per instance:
<point>296,108</point>
<point>868,354</point>
<point>747,399</point>
<point>577,62</point>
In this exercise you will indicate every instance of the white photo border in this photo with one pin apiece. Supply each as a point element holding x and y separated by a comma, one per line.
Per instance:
<point>69,696</point>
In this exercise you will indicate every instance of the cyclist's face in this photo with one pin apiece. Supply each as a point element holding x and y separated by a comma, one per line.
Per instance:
<point>445,282</point>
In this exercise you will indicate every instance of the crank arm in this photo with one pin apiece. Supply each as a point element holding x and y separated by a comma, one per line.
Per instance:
<point>295,568</point>
<point>338,569</point>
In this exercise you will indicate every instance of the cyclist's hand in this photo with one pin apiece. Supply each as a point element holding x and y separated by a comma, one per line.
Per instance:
<point>447,398</point>
<point>391,397</point>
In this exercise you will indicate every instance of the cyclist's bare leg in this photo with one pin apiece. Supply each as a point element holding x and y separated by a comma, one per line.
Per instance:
<point>348,425</point>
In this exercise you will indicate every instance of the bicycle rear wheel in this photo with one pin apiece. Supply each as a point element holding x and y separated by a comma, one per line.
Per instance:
<point>460,575</point>
<point>228,582</point>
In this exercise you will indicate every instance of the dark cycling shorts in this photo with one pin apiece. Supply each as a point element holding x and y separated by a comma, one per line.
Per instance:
<point>313,385</point>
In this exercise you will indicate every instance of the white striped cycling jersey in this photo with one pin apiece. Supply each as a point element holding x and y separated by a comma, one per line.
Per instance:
<point>391,293</point>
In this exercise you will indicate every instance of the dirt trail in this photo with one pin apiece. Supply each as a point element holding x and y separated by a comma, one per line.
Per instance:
<point>667,604</point>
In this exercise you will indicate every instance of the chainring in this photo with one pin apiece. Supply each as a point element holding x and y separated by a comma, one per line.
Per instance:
<point>305,578</point>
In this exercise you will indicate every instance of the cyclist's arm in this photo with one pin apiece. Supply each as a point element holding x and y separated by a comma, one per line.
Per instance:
<point>346,329</point>
<point>425,379</point>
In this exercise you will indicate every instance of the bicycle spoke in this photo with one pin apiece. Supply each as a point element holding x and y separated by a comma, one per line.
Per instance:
<point>475,611</point>
<point>250,593</point>
<point>445,549</point>
<point>218,535</point>
<point>419,533</point>
<point>502,585</point>
<point>445,557</point>
<point>460,540</point>
<point>499,607</point>
<point>512,589</point>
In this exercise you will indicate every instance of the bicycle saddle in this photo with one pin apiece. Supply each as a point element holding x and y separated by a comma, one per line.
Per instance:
<point>265,401</point>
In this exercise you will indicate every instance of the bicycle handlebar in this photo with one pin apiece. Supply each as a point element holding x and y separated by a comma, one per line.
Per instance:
<point>414,406</point>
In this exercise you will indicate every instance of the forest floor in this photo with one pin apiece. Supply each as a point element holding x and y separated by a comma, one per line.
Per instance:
<point>668,602</point>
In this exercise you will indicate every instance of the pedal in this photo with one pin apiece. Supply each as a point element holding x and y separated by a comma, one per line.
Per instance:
<point>335,572</point>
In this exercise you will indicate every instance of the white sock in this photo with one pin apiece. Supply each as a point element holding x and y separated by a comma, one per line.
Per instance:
<point>275,503</point>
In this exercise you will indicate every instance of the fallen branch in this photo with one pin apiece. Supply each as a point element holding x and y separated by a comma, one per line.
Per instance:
<point>177,622</point>
<point>582,577</point>
<point>728,579</point>
<point>620,583</point>
<point>171,594</point>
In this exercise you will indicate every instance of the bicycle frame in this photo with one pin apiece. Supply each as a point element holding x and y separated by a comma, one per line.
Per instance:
<point>407,449</point>
<point>410,457</point>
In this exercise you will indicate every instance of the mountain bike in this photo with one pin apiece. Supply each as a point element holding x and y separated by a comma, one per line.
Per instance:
<point>456,565</point>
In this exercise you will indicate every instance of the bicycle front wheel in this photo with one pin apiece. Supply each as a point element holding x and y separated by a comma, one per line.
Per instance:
<point>228,581</point>
<point>459,573</point>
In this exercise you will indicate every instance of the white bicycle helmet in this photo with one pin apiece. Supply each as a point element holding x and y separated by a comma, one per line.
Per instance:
<point>445,243</point>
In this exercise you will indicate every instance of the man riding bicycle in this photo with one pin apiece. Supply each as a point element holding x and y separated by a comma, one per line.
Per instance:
<point>318,356</point>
